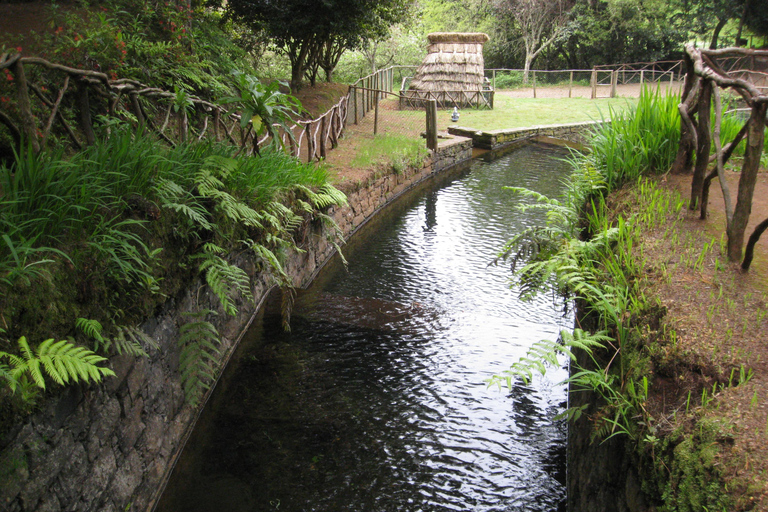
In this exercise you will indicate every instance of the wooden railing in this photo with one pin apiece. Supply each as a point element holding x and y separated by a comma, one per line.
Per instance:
<point>60,104</point>
<point>33,117</point>
<point>418,99</point>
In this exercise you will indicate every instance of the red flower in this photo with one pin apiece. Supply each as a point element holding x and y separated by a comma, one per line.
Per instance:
<point>18,49</point>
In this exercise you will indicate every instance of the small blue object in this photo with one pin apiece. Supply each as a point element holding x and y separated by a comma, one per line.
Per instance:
<point>455,114</point>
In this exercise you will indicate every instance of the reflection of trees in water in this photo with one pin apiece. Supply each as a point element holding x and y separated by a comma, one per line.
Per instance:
<point>430,210</point>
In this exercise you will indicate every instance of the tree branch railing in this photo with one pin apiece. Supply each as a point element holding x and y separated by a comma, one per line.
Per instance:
<point>37,111</point>
<point>706,75</point>
<point>94,91</point>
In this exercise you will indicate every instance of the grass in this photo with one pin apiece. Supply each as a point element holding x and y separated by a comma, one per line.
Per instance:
<point>511,112</point>
<point>399,150</point>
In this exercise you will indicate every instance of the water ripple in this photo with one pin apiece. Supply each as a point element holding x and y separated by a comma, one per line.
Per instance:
<point>377,401</point>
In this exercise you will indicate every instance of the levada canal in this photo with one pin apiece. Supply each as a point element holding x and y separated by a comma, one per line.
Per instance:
<point>377,400</point>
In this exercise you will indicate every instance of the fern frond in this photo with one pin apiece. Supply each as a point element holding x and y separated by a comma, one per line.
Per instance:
<point>62,361</point>
<point>198,341</point>
<point>225,280</point>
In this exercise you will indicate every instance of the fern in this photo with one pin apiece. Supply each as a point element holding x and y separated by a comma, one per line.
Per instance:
<point>546,352</point>
<point>224,279</point>
<point>198,342</point>
<point>172,196</point>
<point>128,340</point>
<point>60,360</point>
<point>326,196</point>
<point>270,258</point>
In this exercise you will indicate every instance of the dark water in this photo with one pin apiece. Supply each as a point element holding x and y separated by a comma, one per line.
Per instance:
<point>377,401</point>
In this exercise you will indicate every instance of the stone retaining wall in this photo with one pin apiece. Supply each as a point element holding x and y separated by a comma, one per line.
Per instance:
<point>572,132</point>
<point>111,447</point>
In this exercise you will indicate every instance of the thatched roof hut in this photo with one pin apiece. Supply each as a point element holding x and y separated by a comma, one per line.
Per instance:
<point>454,64</point>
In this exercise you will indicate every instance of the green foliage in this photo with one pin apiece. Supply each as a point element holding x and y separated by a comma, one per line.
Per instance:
<point>546,352</point>
<point>129,340</point>
<point>638,141</point>
<point>264,108</point>
<point>223,278</point>
<point>62,361</point>
<point>334,24</point>
<point>111,232</point>
<point>509,80</point>
<point>162,44</point>
<point>605,272</point>
<point>198,342</point>
<point>693,481</point>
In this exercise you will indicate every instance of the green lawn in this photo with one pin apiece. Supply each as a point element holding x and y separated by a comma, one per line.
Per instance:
<point>524,112</point>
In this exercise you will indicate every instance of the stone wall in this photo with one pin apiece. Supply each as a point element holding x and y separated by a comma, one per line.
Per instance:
<point>572,132</point>
<point>111,447</point>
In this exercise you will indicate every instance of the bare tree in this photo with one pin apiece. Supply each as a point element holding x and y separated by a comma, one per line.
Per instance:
<point>540,22</point>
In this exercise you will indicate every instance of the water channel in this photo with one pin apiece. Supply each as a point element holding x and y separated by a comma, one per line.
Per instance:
<point>377,400</point>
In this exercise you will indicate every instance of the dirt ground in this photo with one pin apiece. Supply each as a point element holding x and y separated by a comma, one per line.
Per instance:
<point>718,315</point>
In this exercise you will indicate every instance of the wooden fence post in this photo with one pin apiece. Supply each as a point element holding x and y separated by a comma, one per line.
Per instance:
<point>323,125</point>
<point>310,143</point>
<point>593,81</point>
<point>534,83</point>
<point>353,97</point>
<point>376,114</point>
<point>432,124</point>
<point>642,77</point>
<point>614,80</point>
<point>570,84</point>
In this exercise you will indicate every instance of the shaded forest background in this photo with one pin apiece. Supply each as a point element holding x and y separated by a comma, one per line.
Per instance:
<point>195,44</point>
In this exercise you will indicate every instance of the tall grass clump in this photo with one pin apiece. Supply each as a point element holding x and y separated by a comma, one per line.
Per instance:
<point>640,140</point>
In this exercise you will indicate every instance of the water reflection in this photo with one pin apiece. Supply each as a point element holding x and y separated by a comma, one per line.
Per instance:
<point>377,400</point>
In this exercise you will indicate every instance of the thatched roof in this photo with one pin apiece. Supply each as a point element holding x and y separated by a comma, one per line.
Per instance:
<point>454,62</point>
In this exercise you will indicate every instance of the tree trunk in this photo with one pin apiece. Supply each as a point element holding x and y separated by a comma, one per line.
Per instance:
<point>754,149</point>
<point>527,66</point>
<point>84,106</point>
<point>704,143</point>
<point>716,33</point>
<point>753,238</point>
<point>684,159</point>
<point>25,109</point>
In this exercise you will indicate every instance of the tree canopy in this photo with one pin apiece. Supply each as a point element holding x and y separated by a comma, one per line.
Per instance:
<point>315,33</point>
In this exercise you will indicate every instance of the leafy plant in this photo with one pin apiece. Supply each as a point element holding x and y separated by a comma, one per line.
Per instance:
<point>198,341</point>
<point>224,279</point>
<point>60,360</point>
<point>128,340</point>
<point>266,110</point>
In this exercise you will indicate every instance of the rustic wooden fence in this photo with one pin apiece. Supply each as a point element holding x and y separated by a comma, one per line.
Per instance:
<point>67,98</point>
<point>412,99</point>
<point>705,76</point>
<point>601,78</point>
<point>60,104</point>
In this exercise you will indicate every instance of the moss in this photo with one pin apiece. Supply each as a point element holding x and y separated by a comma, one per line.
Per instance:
<point>694,480</point>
